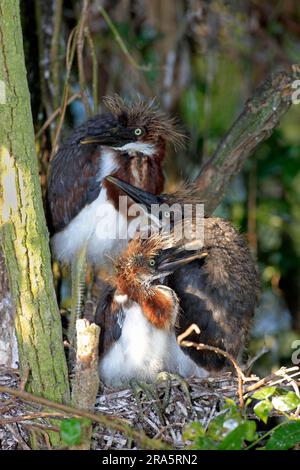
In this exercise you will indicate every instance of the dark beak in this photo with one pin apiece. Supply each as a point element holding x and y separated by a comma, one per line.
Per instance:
<point>114,137</point>
<point>136,194</point>
<point>171,259</point>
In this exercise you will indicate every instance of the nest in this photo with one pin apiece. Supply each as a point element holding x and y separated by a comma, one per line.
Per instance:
<point>20,417</point>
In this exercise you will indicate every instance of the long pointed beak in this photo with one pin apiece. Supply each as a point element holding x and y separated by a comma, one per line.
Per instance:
<point>171,259</point>
<point>111,137</point>
<point>137,194</point>
<point>106,138</point>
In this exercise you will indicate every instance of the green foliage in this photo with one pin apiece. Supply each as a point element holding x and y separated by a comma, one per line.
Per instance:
<point>235,429</point>
<point>72,430</point>
<point>262,409</point>
<point>284,437</point>
<point>287,402</point>
<point>281,401</point>
<point>227,431</point>
<point>264,393</point>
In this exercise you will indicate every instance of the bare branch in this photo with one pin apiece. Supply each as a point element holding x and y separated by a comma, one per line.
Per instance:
<point>205,347</point>
<point>95,68</point>
<point>80,46</point>
<point>260,116</point>
<point>121,43</point>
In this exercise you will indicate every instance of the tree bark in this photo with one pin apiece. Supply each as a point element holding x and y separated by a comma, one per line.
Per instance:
<point>24,235</point>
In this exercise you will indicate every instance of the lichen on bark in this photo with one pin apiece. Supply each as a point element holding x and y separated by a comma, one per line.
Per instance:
<point>24,235</point>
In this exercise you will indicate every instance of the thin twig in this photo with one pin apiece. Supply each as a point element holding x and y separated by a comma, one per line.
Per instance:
<point>273,379</point>
<point>54,115</point>
<point>80,46</point>
<point>121,43</point>
<point>204,347</point>
<point>20,419</point>
<point>41,427</point>
<point>95,67</point>
<point>18,438</point>
<point>71,48</point>
<point>247,367</point>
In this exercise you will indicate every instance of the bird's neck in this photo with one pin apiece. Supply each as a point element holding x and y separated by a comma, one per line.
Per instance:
<point>159,304</point>
<point>143,170</point>
<point>160,309</point>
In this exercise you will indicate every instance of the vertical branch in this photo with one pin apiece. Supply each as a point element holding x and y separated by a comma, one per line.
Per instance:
<point>80,46</point>
<point>54,51</point>
<point>71,47</point>
<point>121,43</point>
<point>95,68</point>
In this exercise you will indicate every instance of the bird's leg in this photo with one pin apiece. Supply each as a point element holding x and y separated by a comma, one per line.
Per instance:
<point>168,377</point>
<point>78,271</point>
<point>151,392</point>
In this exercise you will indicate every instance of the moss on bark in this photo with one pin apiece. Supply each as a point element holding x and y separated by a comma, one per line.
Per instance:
<point>24,235</point>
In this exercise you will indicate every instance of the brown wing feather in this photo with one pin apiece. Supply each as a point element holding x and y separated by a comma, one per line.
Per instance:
<point>109,317</point>
<point>72,181</point>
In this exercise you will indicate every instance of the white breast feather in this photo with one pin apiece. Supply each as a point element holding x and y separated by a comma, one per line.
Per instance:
<point>142,352</point>
<point>98,223</point>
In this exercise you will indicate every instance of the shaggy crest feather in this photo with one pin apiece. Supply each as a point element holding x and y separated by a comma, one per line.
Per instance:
<point>148,115</point>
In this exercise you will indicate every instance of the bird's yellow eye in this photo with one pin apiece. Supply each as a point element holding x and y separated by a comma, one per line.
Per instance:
<point>138,131</point>
<point>152,262</point>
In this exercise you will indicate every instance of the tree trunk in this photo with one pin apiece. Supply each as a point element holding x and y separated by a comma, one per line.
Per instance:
<point>24,235</point>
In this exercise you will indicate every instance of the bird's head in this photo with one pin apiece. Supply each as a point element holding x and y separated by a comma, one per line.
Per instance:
<point>139,271</point>
<point>139,127</point>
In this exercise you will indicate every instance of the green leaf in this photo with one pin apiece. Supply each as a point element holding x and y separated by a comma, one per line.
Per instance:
<point>250,431</point>
<point>70,431</point>
<point>215,428</point>
<point>203,443</point>
<point>235,439</point>
<point>248,401</point>
<point>229,403</point>
<point>285,437</point>
<point>192,431</point>
<point>262,410</point>
<point>195,433</point>
<point>264,393</point>
<point>287,402</point>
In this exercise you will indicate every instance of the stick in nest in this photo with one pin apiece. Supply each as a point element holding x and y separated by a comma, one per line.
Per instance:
<point>200,346</point>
